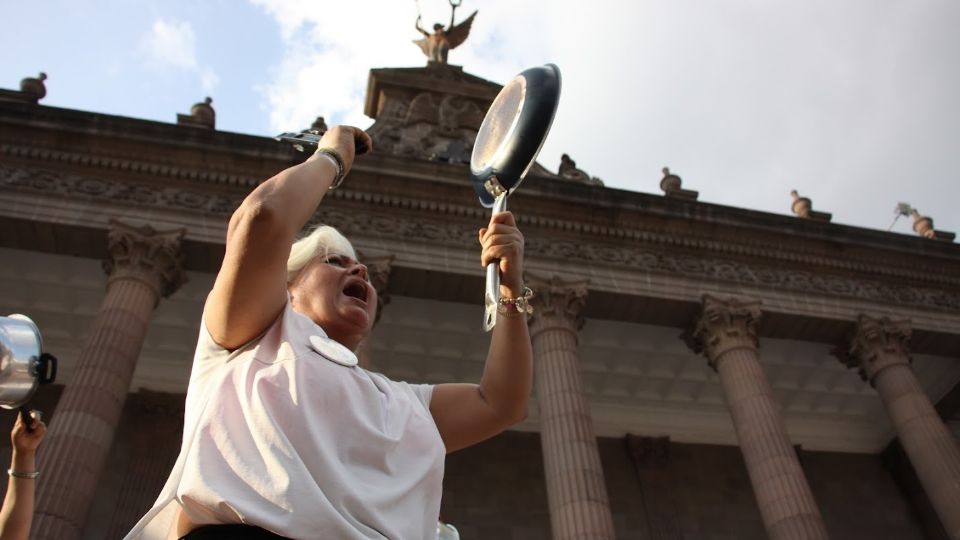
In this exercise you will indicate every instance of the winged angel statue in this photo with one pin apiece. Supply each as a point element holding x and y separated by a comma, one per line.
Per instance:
<point>438,44</point>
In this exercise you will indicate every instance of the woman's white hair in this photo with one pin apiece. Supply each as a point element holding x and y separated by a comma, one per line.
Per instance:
<point>321,242</point>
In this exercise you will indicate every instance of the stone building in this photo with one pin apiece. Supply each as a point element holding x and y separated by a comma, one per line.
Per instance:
<point>702,371</point>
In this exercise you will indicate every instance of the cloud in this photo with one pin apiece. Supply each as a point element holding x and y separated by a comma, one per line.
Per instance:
<point>208,80</point>
<point>328,52</point>
<point>327,57</point>
<point>849,103</point>
<point>173,45</point>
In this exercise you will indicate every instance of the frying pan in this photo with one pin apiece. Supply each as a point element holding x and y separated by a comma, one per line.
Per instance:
<point>510,137</point>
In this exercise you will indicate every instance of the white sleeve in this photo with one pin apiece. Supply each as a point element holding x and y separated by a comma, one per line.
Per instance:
<point>424,393</point>
<point>207,348</point>
<point>209,351</point>
<point>210,355</point>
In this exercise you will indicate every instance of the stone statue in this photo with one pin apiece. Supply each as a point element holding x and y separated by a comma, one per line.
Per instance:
<point>438,44</point>
<point>568,169</point>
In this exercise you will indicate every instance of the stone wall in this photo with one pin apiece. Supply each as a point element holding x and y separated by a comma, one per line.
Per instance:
<point>859,497</point>
<point>496,490</point>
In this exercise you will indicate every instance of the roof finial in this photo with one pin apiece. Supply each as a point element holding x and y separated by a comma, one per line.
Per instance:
<point>34,87</point>
<point>923,226</point>
<point>671,185</point>
<point>319,125</point>
<point>568,169</point>
<point>803,208</point>
<point>201,115</point>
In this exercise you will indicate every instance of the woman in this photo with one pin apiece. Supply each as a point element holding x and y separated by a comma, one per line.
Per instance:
<point>17,512</point>
<point>284,436</point>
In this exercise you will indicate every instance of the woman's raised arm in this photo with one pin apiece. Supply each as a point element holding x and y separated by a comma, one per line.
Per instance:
<point>250,290</point>
<point>466,414</point>
<point>16,515</point>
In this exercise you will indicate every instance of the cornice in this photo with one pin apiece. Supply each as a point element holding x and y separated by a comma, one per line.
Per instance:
<point>452,79</point>
<point>648,259</point>
<point>126,165</point>
<point>27,118</point>
<point>600,201</point>
<point>918,272</point>
<point>640,250</point>
<point>58,183</point>
<point>653,237</point>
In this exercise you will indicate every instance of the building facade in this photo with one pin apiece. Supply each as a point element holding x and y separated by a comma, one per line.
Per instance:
<point>702,371</point>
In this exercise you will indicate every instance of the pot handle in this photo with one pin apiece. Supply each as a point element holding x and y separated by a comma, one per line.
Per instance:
<point>47,368</point>
<point>26,419</point>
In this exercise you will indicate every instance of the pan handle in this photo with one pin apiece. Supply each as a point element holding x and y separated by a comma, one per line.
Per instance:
<point>492,297</point>
<point>47,369</point>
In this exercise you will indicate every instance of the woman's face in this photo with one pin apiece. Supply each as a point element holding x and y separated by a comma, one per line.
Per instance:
<point>335,292</point>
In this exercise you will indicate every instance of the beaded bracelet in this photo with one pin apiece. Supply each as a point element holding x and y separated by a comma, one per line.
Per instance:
<point>520,304</point>
<point>27,475</point>
<point>337,161</point>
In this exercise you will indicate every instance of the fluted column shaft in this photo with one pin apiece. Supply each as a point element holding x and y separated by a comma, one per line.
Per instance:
<point>576,491</point>
<point>879,350</point>
<point>726,334</point>
<point>144,266</point>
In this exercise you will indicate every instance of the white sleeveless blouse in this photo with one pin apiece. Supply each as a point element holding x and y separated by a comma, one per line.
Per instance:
<point>280,435</point>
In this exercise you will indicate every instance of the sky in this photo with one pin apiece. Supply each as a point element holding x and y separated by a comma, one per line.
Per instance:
<point>856,104</point>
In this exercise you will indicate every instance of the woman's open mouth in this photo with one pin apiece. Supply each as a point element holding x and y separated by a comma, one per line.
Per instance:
<point>357,289</point>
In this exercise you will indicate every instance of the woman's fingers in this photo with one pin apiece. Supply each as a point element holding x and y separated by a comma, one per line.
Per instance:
<point>505,218</point>
<point>500,223</point>
<point>502,253</point>
<point>515,241</point>
<point>348,141</point>
<point>501,231</point>
<point>496,245</point>
<point>364,143</point>
<point>28,440</point>
<point>502,243</point>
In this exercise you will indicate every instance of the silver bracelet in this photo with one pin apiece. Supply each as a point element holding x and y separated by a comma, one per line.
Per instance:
<point>337,162</point>
<point>27,475</point>
<point>520,304</point>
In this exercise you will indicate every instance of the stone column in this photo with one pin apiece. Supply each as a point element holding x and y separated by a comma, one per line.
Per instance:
<point>144,266</point>
<point>878,349</point>
<point>726,333</point>
<point>378,268</point>
<point>576,491</point>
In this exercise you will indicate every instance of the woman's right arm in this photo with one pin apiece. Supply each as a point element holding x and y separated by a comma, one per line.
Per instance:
<point>250,289</point>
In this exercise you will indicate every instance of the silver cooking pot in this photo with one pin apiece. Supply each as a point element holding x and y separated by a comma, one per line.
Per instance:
<point>23,364</point>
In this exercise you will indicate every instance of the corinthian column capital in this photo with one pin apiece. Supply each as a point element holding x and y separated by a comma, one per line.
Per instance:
<point>144,254</point>
<point>558,301</point>
<point>875,345</point>
<point>724,325</point>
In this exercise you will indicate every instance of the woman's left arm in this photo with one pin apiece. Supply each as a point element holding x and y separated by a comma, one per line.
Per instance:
<point>466,414</point>
<point>17,512</point>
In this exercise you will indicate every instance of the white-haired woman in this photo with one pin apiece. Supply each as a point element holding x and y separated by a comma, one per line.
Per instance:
<point>284,436</point>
